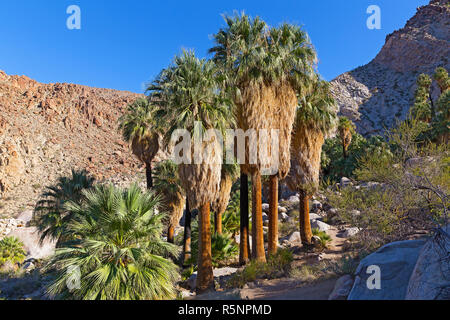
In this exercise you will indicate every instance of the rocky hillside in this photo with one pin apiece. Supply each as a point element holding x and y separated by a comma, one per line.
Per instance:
<point>377,94</point>
<point>48,129</point>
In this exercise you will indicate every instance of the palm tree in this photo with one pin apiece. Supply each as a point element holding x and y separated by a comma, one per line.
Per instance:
<point>50,213</point>
<point>168,186</point>
<point>266,68</point>
<point>316,115</point>
<point>228,176</point>
<point>118,253</point>
<point>346,129</point>
<point>239,51</point>
<point>138,127</point>
<point>189,93</point>
<point>290,64</point>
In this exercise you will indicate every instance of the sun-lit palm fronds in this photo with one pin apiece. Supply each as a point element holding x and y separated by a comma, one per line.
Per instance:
<point>50,214</point>
<point>118,253</point>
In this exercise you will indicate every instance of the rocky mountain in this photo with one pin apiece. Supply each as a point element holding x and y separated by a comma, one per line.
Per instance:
<point>377,94</point>
<point>48,129</point>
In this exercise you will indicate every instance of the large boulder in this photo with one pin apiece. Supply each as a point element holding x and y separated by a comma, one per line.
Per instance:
<point>396,262</point>
<point>218,273</point>
<point>31,240</point>
<point>321,226</point>
<point>430,279</point>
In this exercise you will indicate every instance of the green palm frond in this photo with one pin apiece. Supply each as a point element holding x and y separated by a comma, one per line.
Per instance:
<point>50,214</point>
<point>119,251</point>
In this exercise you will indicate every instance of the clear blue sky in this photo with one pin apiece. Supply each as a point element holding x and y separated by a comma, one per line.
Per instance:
<point>124,44</point>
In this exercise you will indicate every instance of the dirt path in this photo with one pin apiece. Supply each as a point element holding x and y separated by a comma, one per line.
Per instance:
<point>288,289</point>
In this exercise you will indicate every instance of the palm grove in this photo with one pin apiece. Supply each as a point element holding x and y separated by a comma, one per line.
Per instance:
<point>259,77</point>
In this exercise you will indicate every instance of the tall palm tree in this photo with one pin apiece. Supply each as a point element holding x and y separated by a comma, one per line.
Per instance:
<point>346,129</point>
<point>228,176</point>
<point>50,213</point>
<point>118,251</point>
<point>168,186</point>
<point>189,93</point>
<point>138,128</point>
<point>290,63</point>
<point>265,67</point>
<point>316,116</point>
<point>239,51</point>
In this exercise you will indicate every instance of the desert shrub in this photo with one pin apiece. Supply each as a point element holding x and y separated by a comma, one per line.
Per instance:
<point>276,266</point>
<point>324,237</point>
<point>223,247</point>
<point>118,252</point>
<point>11,250</point>
<point>411,194</point>
<point>334,165</point>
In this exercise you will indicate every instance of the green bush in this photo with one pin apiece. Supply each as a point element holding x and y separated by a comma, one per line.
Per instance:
<point>324,237</point>
<point>276,266</point>
<point>334,165</point>
<point>118,249</point>
<point>11,250</point>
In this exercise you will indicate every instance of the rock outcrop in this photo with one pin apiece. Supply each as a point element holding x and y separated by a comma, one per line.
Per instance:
<point>377,94</point>
<point>396,262</point>
<point>48,129</point>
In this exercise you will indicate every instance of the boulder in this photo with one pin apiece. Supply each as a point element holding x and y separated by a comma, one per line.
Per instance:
<point>30,238</point>
<point>350,232</point>
<point>316,206</point>
<point>25,216</point>
<point>396,262</point>
<point>265,207</point>
<point>282,209</point>
<point>218,273</point>
<point>322,226</point>
<point>430,277</point>
<point>295,237</point>
<point>294,200</point>
<point>345,182</point>
<point>342,288</point>
<point>314,216</point>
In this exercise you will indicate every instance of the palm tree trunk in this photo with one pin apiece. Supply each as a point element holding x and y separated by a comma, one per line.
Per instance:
<point>205,277</point>
<point>218,222</point>
<point>187,235</point>
<point>344,150</point>
<point>258,252</point>
<point>244,235</point>
<point>170,234</point>
<point>273,215</point>
<point>148,174</point>
<point>305,223</point>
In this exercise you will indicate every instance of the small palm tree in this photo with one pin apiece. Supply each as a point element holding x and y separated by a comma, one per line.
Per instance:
<point>11,249</point>
<point>346,130</point>
<point>138,127</point>
<point>168,186</point>
<point>50,213</point>
<point>316,116</point>
<point>191,99</point>
<point>118,253</point>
